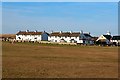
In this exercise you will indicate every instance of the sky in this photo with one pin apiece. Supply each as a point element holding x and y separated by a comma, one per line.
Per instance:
<point>60,0</point>
<point>94,17</point>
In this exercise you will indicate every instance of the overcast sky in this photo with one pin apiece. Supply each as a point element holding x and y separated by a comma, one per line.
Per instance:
<point>94,17</point>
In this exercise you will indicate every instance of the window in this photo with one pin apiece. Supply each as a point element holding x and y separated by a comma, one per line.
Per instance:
<point>19,38</point>
<point>55,40</point>
<point>35,38</point>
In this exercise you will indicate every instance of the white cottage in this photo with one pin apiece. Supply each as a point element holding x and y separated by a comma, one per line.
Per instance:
<point>32,36</point>
<point>105,39</point>
<point>70,37</point>
<point>115,40</point>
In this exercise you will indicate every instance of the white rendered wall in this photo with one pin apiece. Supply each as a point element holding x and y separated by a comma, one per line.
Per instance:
<point>29,37</point>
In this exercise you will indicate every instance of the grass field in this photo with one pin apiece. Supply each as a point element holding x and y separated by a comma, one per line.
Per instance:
<point>28,60</point>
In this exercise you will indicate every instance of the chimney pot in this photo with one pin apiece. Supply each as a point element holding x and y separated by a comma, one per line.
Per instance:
<point>27,30</point>
<point>60,31</point>
<point>71,32</point>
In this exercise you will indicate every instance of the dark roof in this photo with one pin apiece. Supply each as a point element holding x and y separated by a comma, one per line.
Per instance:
<point>107,36</point>
<point>94,38</point>
<point>116,38</point>
<point>29,33</point>
<point>45,33</point>
<point>66,34</point>
<point>75,34</point>
<point>55,34</point>
<point>87,35</point>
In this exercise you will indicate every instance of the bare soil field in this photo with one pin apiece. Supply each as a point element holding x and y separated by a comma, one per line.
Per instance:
<point>33,60</point>
<point>7,35</point>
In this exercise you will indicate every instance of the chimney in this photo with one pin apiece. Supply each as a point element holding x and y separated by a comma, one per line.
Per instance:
<point>89,33</point>
<point>81,31</point>
<point>71,32</point>
<point>27,30</point>
<point>52,31</point>
<point>35,30</point>
<point>108,33</point>
<point>44,31</point>
<point>60,32</point>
